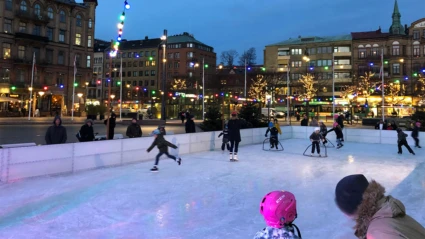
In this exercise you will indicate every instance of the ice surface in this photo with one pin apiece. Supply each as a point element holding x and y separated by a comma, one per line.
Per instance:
<point>207,196</point>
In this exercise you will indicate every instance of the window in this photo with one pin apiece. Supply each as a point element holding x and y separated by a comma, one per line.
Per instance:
<point>153,53</point>
<point>134,63</point>
<point>129,55</point>
<point>37,9</point>
<point>88,61</point>
<point>190,54</point>
<point>342,49</point>
<point>189,45</point>
<point>140,73</point>
<point>140,83</point>
<point>362,53</point>
<point>61,35</point>
<point>311,51</point>
<point>78,60</point>
<point>61,58</point>
<point>9,5</point>
<point>22,27</point>
<point>21,75</point>
<point>396,48</point>
<point>50,13</point>
<point>146,53</point>
<point>153,63</point>
<point>78,21</point>
<point>141,54</point>
<point>62,16</point>
<point>177,55</point>
<point>416,50</point>
<point>134,83</point>
<point>6,50</point>
<point>123,55</point>
<point>283,52</point>
<point>7,26</point>
<point>296,63</point>
<point>296,76</point>
<point>296,51</point>
<point>129,64</point>
<point>170,65</point>
<point>89,41</point>
<point>146,63</point>
<point>342,62</point>
<point>21,52</point>
<point>135,55</point>
<point>36,30</point>
<point>146,83</point>
<point>415,34</point>
<point>170,55</point>
<point>140,63</point>
<point>90,24</point>
<point>396,69</point>
<point>375,51</point>
<point>153,72</point>
<point>49,56</point>
<point>23,6</point>
<point>342,75</point>
<point>176,64</point>
<point>78,39</point>
<point>146,73</point>
<point>135,73</point>
<point>49,33</point>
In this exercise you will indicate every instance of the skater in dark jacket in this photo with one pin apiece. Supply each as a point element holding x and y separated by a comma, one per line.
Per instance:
<point>304,121</point>
<point>56,134</point>
<point>225,135</point>
<point>234,126</point>
<point>401,140</point>
<point>134,130</point>
<point>315,139</point>
<point>273,136</point>
<point>339,136</point>
<point>323,131</point>
<point>161,128</point>
<point>415,134</point>
<point>162,145</point>
<point>86,131</point>
<point>190,125</point>
<point>112,124</point>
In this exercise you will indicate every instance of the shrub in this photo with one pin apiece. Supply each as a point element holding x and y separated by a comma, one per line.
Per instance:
<point>212,121</point>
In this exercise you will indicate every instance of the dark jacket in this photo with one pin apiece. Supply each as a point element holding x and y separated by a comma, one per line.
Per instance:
<point>225,134</point>
<point>162,144</point>
<point>338,132</point>
<point>304,122</point>
<point>384,217</point>
<point>273,132</point>
<point>56,134</point>
<point>323,130</point>
<point>401,136</point>
<point>234,126</point>
<point>112,121</point>
<point>134,131</point>
<point>190,126</point>
<point>340,121</point>
<point>316,137</point>
<point>415,132</point>
<point>86,133</point>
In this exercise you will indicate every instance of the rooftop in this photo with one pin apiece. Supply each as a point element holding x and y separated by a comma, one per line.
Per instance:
<point>368,35</point>
<point>313,39</point>
<point>184,38</point>
<point>138,44</point>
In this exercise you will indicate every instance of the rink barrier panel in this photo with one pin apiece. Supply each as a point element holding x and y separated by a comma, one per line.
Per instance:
<point>51,160</point>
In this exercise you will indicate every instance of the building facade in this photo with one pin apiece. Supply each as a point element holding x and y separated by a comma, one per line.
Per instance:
<point>56,32</point>
<point>95,86</point>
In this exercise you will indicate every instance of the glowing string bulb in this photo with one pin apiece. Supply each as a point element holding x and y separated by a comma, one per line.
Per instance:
<point>127,6</point>
<point>120,25</point>
<point>119,38</point>
<point>122,17</point>
<point>120,32</point>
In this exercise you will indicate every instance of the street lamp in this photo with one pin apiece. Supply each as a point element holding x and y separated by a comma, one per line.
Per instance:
<point>41,93</point>
<point>351,97</point>
<point>268,98</point>
<point>112,98</point>
<point>87,93</point>
<point>164,75</point>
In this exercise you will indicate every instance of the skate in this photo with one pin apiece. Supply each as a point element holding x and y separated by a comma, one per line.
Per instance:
<point>235,157</point>
<point>413,153</point>
<point>399,152</point>
<point>339,146</point>
<point>179,161</point>
<point>311,154</point>
<point>320,155</point>
<point>154,169</point>
<point>231,157</point>
<point>271,146</point>
<point>277,147</point>
<point>419,146</point>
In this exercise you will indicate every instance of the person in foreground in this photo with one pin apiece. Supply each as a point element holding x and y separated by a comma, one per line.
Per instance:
<point>279,210</point>
<point>162,145</point>
<point>377,216</point>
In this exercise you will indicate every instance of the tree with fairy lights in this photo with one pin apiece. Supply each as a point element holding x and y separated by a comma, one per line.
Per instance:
<point>393,94</point>
<point>307,82</point>
<point>420,89</point>
<point>366,84</point>
<point>256,91</point>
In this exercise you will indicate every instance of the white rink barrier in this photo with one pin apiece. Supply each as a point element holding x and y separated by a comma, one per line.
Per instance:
<point>50,160</point>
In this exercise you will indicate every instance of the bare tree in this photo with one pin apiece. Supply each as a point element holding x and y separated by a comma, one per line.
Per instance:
<point>229,57</point>
<point>309,90</point>
<point>250,56</point>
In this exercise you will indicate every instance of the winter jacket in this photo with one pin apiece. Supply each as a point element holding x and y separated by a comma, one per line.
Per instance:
<point>286,232</point>
<point>86,133</point>
<point>234,126</point>
<point>190,126</point>
<point>316,137</point>
<point>112,121</point>
<point>134,131</point>
<point>384,217</point>
<point>56,134</point>
<point>415,132</point>
<point>225,134</point>
<point>278,128</point>
<point>338,132</point>
<point>323,130</point>
<point>401,136</point>
<point>273,132</point>
<point>340,121</point>
<point>162,144</point>
<point>304,122</point>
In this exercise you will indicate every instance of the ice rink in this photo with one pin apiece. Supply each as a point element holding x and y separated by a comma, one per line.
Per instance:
<point>207,196</point>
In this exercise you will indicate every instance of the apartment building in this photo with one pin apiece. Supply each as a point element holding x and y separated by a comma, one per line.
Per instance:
<point>95,86</point>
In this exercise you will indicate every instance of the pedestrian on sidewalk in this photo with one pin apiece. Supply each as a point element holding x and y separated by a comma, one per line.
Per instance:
<point>234,126</point>
<point>401,140</point>
<point>182,116</point>
<point>112,124</point>
<point>162,145</point>
<point>415,134</point>
<point>304,121</point>
<point>56,134</point>
<point>134,130</point>
<point>190,125</point>
<point>376,216</point>
<point>86,133</point>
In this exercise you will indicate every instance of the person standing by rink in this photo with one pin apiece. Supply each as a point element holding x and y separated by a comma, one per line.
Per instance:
<point>162,145</point>
<point>234,126</point>
<point>401,136</point>
<point>315,139</point>
<point>415,134</point>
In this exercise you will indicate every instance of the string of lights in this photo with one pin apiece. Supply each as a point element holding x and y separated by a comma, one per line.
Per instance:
<point>120,25</point>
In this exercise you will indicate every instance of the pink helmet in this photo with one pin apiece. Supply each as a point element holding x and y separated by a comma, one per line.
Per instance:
<point>278,208</point>
<point>335,124</point>
<point>336,116</point>
<point>418,124</point>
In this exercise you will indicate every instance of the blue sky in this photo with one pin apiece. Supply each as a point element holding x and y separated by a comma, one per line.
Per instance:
<point>241,24</point>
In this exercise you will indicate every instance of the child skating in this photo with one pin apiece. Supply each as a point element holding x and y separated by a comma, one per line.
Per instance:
<point>315,139</point>
<point>279,209</point>
<point>339,136</point>
<point>415,134</point>
<point>273,136</point>
<point>323,132</point>
<point>401,136</point>
<point>225,142</point>
<point>162,145</point>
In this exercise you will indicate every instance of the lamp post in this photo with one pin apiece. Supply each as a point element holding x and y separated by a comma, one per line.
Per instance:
<point>41,93</point>
<point>164,60</point>
<point>288,113</point>
<point>351,97</point>
<point>268,98</point>
<point>112,99</point>
<point>87,95</point>
<point>79,101</point>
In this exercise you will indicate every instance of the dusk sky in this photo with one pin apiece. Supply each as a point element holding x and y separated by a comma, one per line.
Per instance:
<point>241,24</point>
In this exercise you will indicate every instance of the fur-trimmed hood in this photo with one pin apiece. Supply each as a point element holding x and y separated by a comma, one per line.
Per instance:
<point>376,205</point>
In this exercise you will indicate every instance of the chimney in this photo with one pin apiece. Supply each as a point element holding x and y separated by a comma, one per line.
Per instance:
<point>146,38</point>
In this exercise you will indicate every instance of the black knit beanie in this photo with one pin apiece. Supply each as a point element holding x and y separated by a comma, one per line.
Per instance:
<point>349,192</point>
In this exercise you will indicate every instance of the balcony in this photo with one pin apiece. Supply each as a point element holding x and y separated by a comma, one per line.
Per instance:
<point>283,57</point>
<point>41,18</point>
<point>30,37</point>
<point>282,69</point>
<point>342,54</point>
<point>343,80</point>
<point>343,67</point>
